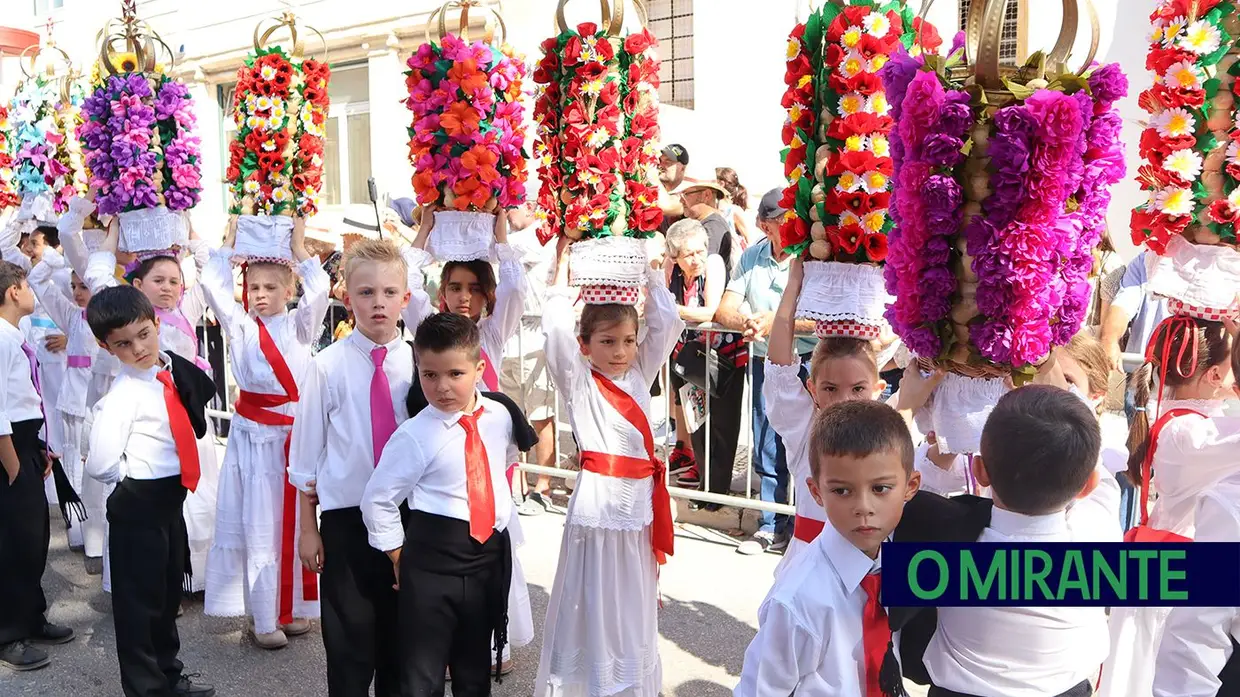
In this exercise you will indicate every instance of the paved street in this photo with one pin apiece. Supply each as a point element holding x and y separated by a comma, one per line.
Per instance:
<point>709,616</point>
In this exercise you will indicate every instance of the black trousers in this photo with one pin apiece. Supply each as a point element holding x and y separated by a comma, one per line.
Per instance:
<point>1083,690</point>
<point>25,532</point>
<point>725,412</point>
<point>445,622</point>
<point>361,630</point>
<point>147,553</point>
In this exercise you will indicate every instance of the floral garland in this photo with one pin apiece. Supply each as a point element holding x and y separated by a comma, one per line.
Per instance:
<point>468,132</point>
<point>838,111</point>
<point>1053,153</point>
<point>597,129</point>
<point>47,158</point>
<point>1187,193</point>
<point>139,144</point>
<point>8,197</point>
<point>275,164</point>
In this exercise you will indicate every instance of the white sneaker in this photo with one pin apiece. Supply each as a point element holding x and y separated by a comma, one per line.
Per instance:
<point>757,544</point>
<point>271,640</point>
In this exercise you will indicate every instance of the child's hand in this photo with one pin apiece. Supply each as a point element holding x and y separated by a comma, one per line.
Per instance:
<point>312,494</point>
<point>501,227</point>
<point>310,548</point>
<point>298,240</point>
<point>915,388</point>
<point>424,229</point>
<point>48,456</point>
<point>112,239</point>
<point>394,555</point>
<point>56,342</point>
<point>941,460</point>
<point>796,273</point>
<point>230,232</point>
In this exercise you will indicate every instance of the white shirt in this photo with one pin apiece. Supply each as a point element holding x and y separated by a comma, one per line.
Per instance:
<point>104,366</point>
<point>613,503</point>
<point>538,262</point>
<point>18,399</point>
<point>1196,642</point>
<point>790,410</point>
<point>1095,518</point>
<point>424,462</point>
<point>72,321</point>
<point>811,626</point>
<point>944,482</point>
<point>495,329</point>
<point>131,436</point>
<point>1193,454</point>
<point>332,445</point>
<point>1018,651</point>
<point>292,331</point>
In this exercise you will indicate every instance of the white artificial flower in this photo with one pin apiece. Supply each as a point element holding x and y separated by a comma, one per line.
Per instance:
<point>1201,37</point>
<point>1184,75</point>
<point>1174,123</point>
<point>876,24</point>
<point>1185,163</point>
<point>1174,201</point>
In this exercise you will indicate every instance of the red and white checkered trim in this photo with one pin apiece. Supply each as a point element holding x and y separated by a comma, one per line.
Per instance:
<point>245,259</point>
<point>1179,307</point>
<point>610,295</point>
<point>847,329</point>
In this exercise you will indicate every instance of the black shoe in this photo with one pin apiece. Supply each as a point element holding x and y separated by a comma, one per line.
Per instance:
<point>21,656</point>
<point>186,686</point>
<point>94,566</point>
<point>51,634</point>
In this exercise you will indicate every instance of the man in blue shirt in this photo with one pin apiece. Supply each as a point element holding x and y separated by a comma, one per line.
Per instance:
<point>1133,310</point>
<point>749,305</point>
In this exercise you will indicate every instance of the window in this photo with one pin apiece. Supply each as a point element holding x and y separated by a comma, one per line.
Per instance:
<point>346,146</point>
<point>671,21</point>
<point>1012,38</point>
<point>42,7</point>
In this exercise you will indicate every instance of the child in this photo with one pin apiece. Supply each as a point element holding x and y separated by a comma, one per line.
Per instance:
<point>25,529</point>
<point>1190,358</point>
<point>823,609</point>
<point>449,461</point>
<point>601,632</point>
<point>352,400</point>
<point>144,442</point>
<point>253,568</point>
<point>161,279</point>
<point>47,340</point>
<point>1039,451</point>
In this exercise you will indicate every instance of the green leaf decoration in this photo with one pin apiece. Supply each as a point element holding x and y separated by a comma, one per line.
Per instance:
<point>1019,91</point>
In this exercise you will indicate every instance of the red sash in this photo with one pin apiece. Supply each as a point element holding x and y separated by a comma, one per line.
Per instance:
<point>1143,532</point>
<point>807,529</point>
<point>254,406</point>
<point>490,378</point>
<point>662,535</point>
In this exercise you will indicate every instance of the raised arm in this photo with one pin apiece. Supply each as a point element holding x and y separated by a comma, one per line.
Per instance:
<point>663,327</point>
<point>419,307</point>
<point>42,281</point>
<point>101,265</point>
<point>194,302</point>
<point>559,325</point>
<point>218,287</point>
<point>70,229</point>
<point>315,288</point>
<point>400,467</point>
<point>510,291</point>
<point>780,348</point>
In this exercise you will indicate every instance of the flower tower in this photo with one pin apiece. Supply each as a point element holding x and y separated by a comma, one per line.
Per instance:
<point>838,158</point>
<point>46,156</point>
<point>467,136</point>
<point>275,163</point>
<point>1190,151</point>
<point>138,138</point>
<point>597,118</point>
<point>8,197</point>
<point>1002,180</point>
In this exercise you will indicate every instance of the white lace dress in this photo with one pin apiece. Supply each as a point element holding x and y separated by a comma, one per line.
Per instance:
<point>1193,455</point>
<point>602,630</point>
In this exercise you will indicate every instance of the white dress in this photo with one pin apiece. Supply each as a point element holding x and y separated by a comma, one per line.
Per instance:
<point>1193,455</point>
<point>243,571</point>
<point>176,335</point>
<point>601,634</point>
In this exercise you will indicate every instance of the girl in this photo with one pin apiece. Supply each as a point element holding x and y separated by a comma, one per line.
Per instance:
<point>179,309</point>
<point>1188,360</point>
<point>252,568</point>
<point>602,630</point>
<point>469,288</point>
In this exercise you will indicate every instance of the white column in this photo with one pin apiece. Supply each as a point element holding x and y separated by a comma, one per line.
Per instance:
<point>389,120</point>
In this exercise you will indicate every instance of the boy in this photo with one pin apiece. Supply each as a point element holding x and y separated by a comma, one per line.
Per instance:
<point>449,460</point>
<point>144,441</point>
<point>823,611</point>
<point>352,400</point>
<point>24,524</point>
<point>1039,450</point>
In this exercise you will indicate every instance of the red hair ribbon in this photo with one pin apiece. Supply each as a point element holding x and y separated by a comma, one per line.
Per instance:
<point>1175,326</point>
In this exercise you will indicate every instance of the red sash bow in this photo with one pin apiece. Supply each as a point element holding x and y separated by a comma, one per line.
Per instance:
<point>662,534</point>
<point>255,407</point>
<point>1143,532</point>
<point>807,529</point>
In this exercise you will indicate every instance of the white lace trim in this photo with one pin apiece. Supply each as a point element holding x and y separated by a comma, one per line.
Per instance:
<point>833,291</point>
<point>1201,275</point>
<point>462,235</point>
<point>263,237</point>
<point>149,229</point>
<point>959,409</point>
<point>1208,407</point>
<point>606,677</point>
<point>784,377</point>
<point>608,261</point>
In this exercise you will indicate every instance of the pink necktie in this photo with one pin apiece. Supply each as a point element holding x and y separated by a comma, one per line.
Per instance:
<point>382,415</point>
<point>34,368</point>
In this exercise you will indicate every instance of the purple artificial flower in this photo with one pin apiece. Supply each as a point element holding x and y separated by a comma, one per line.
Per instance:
<point>942,150</point>
<point>1108,84</point>
<point>941,194</point>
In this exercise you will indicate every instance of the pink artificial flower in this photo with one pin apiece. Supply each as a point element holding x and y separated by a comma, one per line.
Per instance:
<point>453,48</point>
<point>130,176</point>
<point>186,176</point>
<point>424,57</point>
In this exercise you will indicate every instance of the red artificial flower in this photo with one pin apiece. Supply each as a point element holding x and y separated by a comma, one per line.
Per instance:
<point>870,46</point>
<point>1152,177</point>
<point>610,94</point>
<point>855,14</point>
<point>1232,170</point>
<point>796,69</point>
<point>795,158</point>
<point>834,55</point>
<point>859,124</point>
<point>644,125</point>
<point>859,162</point>
<point>589,72</point>
<point>865,83</point>
<point>1159,59</point>
<point>848,238</point>
<point>587,28</point>
<point>639,42</point>
<point>926,35</point>
<point>789,199</point>
<point>794,230</point>
<point>1178,97</point>
<point>876,247</point>
<point>1221,211</point>
<point>572,51</point>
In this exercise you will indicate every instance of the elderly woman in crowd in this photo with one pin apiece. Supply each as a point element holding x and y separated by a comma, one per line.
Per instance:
<point>697,280</point>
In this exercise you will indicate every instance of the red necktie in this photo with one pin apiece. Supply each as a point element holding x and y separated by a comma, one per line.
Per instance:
<point>478,480</point>
<point>875,633</point>
<point>182,432</point>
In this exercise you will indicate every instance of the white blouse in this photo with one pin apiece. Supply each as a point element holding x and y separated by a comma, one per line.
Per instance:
<point>292,331</point>
<point>131,436</point>
<point>1193,454</point>
<point>598,501</point>
<point>82,349</point>
<point>104,366</point>
<point>790,410</point>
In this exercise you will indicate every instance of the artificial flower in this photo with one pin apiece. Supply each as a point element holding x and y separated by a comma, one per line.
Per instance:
<point>1174,201</point>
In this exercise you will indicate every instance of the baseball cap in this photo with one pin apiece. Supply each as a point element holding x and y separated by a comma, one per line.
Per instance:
<point>769,208</point>
<point>676,152</point>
